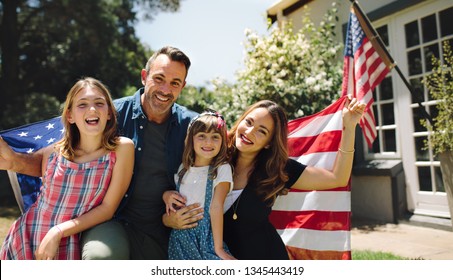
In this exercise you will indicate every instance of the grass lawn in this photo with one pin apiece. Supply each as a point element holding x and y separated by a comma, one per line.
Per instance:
<point>370,255</point>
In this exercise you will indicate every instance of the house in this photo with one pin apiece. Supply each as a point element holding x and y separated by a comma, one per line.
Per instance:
<point>397,179</point>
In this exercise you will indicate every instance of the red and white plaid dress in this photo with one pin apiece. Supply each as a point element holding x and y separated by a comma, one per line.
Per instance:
<point>69,190</point>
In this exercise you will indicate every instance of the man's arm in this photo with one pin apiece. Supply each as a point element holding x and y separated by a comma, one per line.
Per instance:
<point>28,164</point>
<point>184,218</point>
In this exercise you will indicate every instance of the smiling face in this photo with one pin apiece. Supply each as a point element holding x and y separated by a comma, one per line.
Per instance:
<point>163,83</point>
<point>89,111</point>
<point>255,131</point>
<point>206,147</point>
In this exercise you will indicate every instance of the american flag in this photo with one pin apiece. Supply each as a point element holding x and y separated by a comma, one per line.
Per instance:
<point>28,139</point>
<point>365,66</point>
<point>317,224</point>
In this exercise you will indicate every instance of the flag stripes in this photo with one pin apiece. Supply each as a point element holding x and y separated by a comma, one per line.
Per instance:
<point>315,224</point>
<point>363,70</point>
<point>318,240</point>
<point>325,220</point>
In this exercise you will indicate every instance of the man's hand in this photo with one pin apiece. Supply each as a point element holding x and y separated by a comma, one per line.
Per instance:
<point>184,218</point>
<point>6,156</point>
<point>28,164</point>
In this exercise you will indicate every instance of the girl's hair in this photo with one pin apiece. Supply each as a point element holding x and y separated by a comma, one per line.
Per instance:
<point>67,145</point>
<point>268,174</point>
<point>208,121</point>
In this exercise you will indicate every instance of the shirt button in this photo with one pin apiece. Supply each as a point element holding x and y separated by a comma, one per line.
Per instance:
<point>139,148</point>
<point>141,127</point>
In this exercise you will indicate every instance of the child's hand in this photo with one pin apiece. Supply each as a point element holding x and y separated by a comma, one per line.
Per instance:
<point>224,255</point>
<point>47,250</point>
<point>173,201</point>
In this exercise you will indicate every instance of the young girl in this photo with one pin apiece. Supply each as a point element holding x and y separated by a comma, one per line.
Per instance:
<point>204,177</point>
<point>85,175</point>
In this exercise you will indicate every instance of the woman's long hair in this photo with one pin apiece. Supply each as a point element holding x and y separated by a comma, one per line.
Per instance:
<point>208,121</point>
<point>268,173</point>
<point>71,139</point>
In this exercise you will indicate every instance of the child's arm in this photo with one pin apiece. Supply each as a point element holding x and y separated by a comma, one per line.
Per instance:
<point>121,177</point>
<point>216,212</point>
<point>173,201</point>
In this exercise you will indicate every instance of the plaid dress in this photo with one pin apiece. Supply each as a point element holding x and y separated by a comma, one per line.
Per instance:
<point>69,190</point>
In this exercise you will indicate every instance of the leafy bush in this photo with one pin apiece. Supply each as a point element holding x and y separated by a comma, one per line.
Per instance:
<point>440,86</point>
<point>302,71</point>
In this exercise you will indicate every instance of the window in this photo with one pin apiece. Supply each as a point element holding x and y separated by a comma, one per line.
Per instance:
<point>423,40</point>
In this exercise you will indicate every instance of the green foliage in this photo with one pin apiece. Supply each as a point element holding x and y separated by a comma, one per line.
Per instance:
<point>370,255</point>
<point>302,71</point>
<point>440,86</point>
<point>47,45</point>
<point>219,97</point>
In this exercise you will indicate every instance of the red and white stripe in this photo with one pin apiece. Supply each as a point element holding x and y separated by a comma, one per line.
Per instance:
<point>315,224</point>
<point>361,74</point>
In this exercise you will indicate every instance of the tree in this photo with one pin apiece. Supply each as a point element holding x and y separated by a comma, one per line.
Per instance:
<point>47,45</point>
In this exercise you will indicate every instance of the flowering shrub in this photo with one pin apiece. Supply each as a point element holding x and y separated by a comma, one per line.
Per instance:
<point>301,70</point>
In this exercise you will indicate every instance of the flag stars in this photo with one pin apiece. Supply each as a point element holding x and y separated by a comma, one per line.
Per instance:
<point>30,151</point>
<point>51,140</point>
<point>23,134</point>
<point>50,126</point>
<point>37,137</point>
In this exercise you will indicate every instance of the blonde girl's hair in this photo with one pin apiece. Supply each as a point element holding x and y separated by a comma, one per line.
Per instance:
<point>268,174</point>
<point>71,138</point>
<point>208,121</point>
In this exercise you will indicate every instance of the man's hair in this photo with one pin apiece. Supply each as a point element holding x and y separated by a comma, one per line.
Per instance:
<point>173,53</point>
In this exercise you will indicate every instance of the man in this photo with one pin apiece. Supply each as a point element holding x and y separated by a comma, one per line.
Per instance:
<point>158,126</point>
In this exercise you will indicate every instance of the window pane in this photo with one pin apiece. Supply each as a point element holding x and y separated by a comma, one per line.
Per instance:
<point>375,148</point>
<point>430,52</point>
<point>384,34</point>
<point>421,153</point>
<point>376,114</point>
<point>446,28</point>
<point>439,183</point>
<point>433,111</point>
<point>390,140</point>
<point>412,36</point>
<point>429,28</point>
<point>415,62</point>
<point>386,89</point>
<point>416,114</point>
<point>388,115</point>
<point>424,178</point>
<point>417,87</point>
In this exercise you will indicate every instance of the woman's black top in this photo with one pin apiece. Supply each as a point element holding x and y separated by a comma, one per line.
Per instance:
<point>251,236</point>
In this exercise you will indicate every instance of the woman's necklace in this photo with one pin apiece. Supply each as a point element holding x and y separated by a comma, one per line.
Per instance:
<point>241,179</point>
<point>235,206</point>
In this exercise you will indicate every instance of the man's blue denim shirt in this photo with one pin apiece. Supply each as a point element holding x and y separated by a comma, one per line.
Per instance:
<point>131,123</point>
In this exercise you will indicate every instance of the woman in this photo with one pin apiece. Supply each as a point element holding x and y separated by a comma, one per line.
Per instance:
<point>262,169</point>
